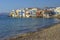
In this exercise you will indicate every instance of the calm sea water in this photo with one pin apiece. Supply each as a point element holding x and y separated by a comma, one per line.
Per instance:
<point>12,26</point>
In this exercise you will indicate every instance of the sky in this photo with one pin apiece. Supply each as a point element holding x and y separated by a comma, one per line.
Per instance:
<point>8,5</point>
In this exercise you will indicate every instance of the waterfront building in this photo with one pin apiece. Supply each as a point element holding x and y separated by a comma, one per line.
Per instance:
<point>12,13</point>
<point>31,12</point>
<point>22,13</point>
<point>57,10</point>
<point>46,13</point>
<point>27,14</point>
<point>34,10</point>
<point>39,13</point>
<point>17,13</point>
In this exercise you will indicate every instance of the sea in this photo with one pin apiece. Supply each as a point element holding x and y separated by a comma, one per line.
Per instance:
<point>12,26</point>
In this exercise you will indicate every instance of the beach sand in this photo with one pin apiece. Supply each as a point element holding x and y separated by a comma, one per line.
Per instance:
<point>51,33</point>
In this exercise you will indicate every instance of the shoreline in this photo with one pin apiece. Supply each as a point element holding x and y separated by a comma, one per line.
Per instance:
<point>35,33</point>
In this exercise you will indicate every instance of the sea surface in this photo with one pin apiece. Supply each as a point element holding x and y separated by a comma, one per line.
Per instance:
<point>12,26</point>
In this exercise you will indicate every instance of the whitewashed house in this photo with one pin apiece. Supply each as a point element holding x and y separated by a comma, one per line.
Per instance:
<point>34,10</point>
<point>12,13</point>
<point>57,10</point>
<point>20,12</point>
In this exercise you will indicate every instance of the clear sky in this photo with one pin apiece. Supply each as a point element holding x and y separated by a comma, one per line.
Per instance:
<point>8,5</point>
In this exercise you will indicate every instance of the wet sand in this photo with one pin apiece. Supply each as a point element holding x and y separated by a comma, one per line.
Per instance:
<point>51,33</point>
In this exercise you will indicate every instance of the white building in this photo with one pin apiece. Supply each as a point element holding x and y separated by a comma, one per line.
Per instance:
<point>57,10</point>
<point>12,13</point>
<point>34,10</point>
<point>21,13</point>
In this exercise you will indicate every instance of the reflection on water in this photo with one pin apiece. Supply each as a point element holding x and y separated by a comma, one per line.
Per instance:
<point>12,26</point>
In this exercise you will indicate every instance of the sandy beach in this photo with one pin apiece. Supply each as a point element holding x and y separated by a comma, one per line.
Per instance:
<point>51,33</point>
